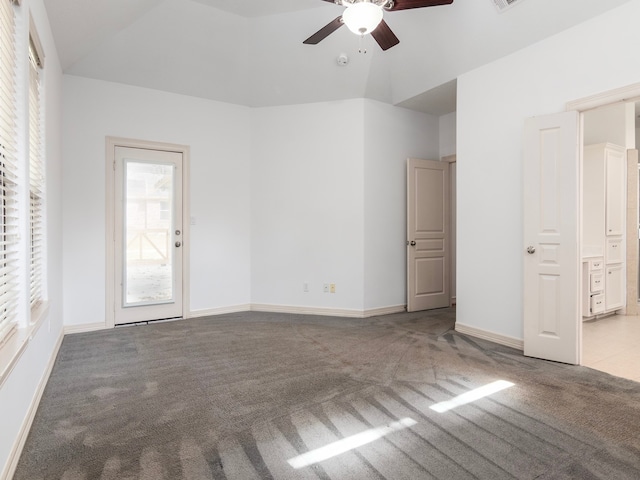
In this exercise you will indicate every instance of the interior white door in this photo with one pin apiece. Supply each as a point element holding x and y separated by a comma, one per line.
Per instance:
<point>148,235</point>
<point>551,235</point>
<point>427,234</point>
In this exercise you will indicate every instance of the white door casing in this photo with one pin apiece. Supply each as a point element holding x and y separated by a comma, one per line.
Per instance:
<point>427,234</point>
<point>551,234</point>
<point>124,155</point>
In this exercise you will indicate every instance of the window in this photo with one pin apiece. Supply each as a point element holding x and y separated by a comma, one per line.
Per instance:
<point>9,256</point>
<point>36,175</point>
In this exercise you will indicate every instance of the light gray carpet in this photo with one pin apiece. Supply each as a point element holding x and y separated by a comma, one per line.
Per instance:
<point>237,396</point>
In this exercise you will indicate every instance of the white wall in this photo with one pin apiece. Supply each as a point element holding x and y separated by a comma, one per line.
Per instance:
<point>447,138</point>
<point>391,136</point>
<point>18,390</point>
<point>307,205</point>
<point>305,184</point>
<point>220,145</point>
<point>493,103</point>
<point>329,202</point>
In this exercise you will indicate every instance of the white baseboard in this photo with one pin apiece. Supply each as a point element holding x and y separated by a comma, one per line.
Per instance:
<point>219,311</point>
<point>329,312</point>
<point>374,312</point>
<point>491,336</point>
<point>16,450</point>
<point>85,327</point>
<point>258,307</point>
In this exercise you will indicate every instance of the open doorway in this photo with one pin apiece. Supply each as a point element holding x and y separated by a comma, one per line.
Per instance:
<point>611,325</point>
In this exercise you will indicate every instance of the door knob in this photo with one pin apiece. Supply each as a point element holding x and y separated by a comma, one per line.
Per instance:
<point>178,244</point>
<point>413,243</point>
<point>531,250</point>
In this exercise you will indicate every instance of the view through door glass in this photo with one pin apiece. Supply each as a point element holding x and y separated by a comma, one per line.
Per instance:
<point>148,277</point>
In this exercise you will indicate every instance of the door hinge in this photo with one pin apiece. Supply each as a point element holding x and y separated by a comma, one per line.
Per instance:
<point>114,166</point>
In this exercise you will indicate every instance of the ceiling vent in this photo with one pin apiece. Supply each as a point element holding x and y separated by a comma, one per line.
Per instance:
<point>503,5</point>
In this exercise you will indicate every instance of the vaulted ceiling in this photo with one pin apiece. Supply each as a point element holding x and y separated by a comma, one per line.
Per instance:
<point>250,52</point>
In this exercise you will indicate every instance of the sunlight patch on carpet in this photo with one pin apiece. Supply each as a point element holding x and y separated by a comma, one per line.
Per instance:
<point>472,396</point>
<point>349,443</point>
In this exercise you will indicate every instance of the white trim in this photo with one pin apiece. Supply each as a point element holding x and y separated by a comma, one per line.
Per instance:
<point>622,94</point>
<point>300,310</point>
<point>328,312</point>
<point>491,336</point>
<point>220,311</point>
<point>18,445</point>
<point>375,312</point>
<point>85,327</point>
<point>248,307</point>
<point>110,144</point>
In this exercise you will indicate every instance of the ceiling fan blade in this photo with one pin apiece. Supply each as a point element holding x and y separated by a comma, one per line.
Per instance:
<point>324,32</point>
<point>406,4</point>
<point>384,36</point>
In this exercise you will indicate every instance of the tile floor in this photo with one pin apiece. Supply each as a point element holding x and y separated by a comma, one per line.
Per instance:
<point>612,345</point>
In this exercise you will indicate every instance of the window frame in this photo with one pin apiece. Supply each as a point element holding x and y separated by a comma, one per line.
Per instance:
<point>37,179</point>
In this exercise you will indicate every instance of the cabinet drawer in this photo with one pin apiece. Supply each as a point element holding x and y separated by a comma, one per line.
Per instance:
<point>614,250</point>
<point>596,264</point>
<point>597,303</point>
<point>597,282</point>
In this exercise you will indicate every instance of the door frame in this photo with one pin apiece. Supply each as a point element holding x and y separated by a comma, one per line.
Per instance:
<point>623,94</point>
<point>110,145</point>
<point>452,160</point>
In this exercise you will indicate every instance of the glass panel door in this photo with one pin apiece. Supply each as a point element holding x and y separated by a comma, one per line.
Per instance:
<point>148,236</point>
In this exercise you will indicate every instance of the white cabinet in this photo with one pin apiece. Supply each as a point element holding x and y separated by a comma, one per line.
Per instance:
<point>614,252</point>
<point>596,282</point>
<point>604,226</point>
<point>615,202</point>
<point>614,293</point>
<point>593,283</point>
<point>597,304</point>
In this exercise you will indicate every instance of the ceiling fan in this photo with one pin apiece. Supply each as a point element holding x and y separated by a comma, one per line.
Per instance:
<point>365,16</point>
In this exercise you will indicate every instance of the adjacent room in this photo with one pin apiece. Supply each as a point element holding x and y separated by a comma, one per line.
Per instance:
<point>319,239</point>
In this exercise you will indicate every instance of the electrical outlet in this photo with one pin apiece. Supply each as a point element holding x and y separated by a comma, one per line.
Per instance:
<point>332,288</point>
<point>325,288</point>
<point>305,287</point>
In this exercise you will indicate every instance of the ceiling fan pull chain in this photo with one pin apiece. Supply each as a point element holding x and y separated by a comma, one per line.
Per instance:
<point>361,48</point>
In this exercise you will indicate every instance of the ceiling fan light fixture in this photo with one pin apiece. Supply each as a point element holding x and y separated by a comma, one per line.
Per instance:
<point>362,17</point>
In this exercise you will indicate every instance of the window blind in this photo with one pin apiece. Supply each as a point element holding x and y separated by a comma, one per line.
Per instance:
<point>8,174</point>
<point>36,181</point>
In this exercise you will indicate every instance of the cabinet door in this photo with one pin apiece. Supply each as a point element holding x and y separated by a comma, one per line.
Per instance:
<point>613,287</point>
<point>615,192</point>
<point>615,250</point>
